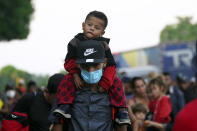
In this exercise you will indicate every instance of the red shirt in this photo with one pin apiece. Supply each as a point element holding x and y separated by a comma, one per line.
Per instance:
<point>186,120</point>
<point>161,108</point>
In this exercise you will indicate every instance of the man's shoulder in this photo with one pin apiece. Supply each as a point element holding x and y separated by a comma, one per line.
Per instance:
<point>178,91</point>
<point>29,96</point>
<point>24,102</point>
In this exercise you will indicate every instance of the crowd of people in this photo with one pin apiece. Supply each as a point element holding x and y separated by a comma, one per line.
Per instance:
<point>91,97</point>
<point>156,102</point>
<point>11,94</point>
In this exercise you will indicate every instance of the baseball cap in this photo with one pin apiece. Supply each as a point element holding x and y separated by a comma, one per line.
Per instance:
<point>181,77</point>
<point>90,51</point>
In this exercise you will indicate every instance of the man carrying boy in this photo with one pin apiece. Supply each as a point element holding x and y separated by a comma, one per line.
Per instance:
<point>91,110</point>
<point>93,29</point>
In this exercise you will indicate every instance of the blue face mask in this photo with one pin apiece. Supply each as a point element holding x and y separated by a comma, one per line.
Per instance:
<point>92,77</point>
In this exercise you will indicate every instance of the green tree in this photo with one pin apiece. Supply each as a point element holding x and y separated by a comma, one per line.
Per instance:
<point>41,80</point>
<point>184,30</point>
<point>9,74</point>
<point>15,16</point>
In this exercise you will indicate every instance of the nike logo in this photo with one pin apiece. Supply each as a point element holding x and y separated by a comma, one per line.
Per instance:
<point>89,51</point>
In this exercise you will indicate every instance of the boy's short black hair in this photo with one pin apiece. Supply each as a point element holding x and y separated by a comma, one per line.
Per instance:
<point>99,15</point>
<point>139,107</point>
<point>54,82</point>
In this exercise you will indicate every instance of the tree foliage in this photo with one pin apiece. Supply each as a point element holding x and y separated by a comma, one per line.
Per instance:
<point>184,30</point>
<point>15,16</point>
<point>9,74</point>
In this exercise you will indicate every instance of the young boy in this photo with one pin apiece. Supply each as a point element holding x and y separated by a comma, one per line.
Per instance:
<point>93,29</point>
<point>140,111</point>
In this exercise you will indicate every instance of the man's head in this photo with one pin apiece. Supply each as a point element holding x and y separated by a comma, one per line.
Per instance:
<point>31,86</point>
<point>94,25</point>
<point>51,89</point>
<point>182,81</point>
<point>91,60</point>
<point>167,79</point>
<point>127,85</point>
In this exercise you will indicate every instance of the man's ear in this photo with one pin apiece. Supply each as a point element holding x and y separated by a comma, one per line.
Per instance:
<point>105,63</point>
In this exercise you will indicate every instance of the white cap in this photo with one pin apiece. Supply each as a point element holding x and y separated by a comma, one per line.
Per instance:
<point>10,93</point>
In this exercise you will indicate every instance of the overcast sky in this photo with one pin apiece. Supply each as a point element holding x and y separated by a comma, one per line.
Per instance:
<point>132,24</point>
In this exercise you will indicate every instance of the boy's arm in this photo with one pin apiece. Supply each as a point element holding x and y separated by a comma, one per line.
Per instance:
<point>110,71</point>
<point>155,124</point>
<point>66,91</point>
<point>70,64</point>
<point>108,77</point>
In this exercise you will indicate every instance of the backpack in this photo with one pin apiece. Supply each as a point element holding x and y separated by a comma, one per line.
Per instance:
<point>17,121</point>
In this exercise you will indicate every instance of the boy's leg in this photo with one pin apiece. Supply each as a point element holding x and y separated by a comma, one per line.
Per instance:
<point>63,111</point>
<point>122,117</point>
<point>118,100</point>
<point>65,97</point>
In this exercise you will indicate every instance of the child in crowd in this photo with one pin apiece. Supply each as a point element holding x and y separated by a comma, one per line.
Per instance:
<point>140,111</point>
<point>160,105</point>
<point>93,29</point>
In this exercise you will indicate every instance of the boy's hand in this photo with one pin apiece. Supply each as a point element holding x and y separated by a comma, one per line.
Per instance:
<point>78,81</point>
<point>147,123</point>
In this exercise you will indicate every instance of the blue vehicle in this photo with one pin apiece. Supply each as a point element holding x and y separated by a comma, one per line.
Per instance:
<point>173,58</point>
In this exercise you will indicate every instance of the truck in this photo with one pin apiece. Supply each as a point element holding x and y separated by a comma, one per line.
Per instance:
<point>174,58</point>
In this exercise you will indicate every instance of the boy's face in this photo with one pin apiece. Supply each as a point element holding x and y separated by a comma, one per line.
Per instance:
<point>93,27</point>
<point>155,90</point>
<point>140,116</point>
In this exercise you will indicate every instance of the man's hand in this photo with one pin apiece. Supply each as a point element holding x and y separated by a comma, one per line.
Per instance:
<point>78,81</point>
